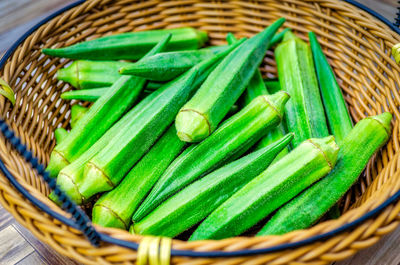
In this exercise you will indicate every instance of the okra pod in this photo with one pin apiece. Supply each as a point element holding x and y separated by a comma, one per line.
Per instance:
<point>304,113</point>
<point>77,112</point>
<point>283,180</point>
<point>228,142</point>
<point>60,134</point>
<point>106,169</point>
<point>255,88</point>
<point>90,95</point>
<point>132,45</point>
<point>201,115</point>
<point>166,66</point>
<point>367,136</point>
<point>338,116</point>
<point>115,208</point>
<point>99,118</point>
<point>196,201</point>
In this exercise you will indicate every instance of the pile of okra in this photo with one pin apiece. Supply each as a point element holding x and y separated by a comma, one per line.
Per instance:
<point>184,137</point>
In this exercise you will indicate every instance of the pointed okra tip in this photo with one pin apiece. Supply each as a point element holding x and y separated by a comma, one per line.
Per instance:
<point>396,52</point>
<point>191,126</point>
<point>328,147</point>
<point>106,217</point>
<point>384,119</point>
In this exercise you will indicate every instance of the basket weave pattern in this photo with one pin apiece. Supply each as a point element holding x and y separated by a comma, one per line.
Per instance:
<point>357,45</point>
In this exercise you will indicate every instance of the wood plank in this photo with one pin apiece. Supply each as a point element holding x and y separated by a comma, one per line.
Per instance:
<point>13,247</point>
<point>49,255</point>
<point>5,218</point>
<point>32,259</point>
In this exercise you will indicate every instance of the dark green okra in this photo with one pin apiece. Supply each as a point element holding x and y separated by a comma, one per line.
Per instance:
<point>234,137</point>
<point>279,183</point>
<point>365,139</point>
<point>99,118</point>
<point>304,113</point>
<point>106,169</point>
<point>196,201</point>
<point>335,107</point>
<point>115,208</point>
<point>168,65</point>
<point>200,116</point>
<point>132,45</point>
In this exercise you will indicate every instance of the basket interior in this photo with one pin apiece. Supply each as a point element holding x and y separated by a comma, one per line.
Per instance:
<point>357,46</point>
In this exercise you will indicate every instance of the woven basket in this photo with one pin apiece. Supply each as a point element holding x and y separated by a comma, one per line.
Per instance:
<point>358,47</point>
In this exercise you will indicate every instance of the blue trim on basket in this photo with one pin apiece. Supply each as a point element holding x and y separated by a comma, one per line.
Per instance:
<point>81,221</point>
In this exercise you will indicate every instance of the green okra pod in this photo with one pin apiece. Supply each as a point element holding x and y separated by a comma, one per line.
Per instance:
<point>196,201</point>
<point>99,118</point>
<point>304,113</point>
<point>283,180</point>
<point>116,207</point>
<point>132,45</point>
<point>338,116</point>
<point>367,136</point>
<point>106,169</point>
<point>77,112</point>
<point>234,137</point>
<point>60,134</point>
<point>200,116</point>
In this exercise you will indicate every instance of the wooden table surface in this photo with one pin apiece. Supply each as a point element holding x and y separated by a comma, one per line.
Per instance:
<point>19,246</point>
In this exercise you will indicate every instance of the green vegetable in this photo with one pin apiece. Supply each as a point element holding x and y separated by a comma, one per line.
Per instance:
<point>199,199</point>
<point>90,95</point>
<point>115,208</point>
<point>77,112</point>
<point>99,118</point>
<point>131,46</point>
<point>335,107</point>
<point>283,180</point>
<point>205,110</point>
<point>166,66</point>
<point>255,88</point>
<point>356,149</point>
<point>85,74</point>
<point>106,169</point>
<point>234,137</point>
<point>304,113</point>
<point>71,178</point>
<point>60,134</point>
<point>272,85</point>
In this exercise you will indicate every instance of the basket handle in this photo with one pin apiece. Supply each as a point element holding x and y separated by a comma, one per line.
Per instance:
<point>79,220</point>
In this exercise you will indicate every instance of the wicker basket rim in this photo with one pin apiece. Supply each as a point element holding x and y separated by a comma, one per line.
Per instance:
<point>187,253</point>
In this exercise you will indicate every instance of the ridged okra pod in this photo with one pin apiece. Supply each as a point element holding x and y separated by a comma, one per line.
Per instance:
<point>84,74</point>
<point>304,113</point>
<point>99,118</point>
<point>367,136</point>
<point>166,66</point>
<point>283,180</point>
<point>106,169</point>
<point>195,202</point>
<point>77,112</point>
<point>60,134</point>
<point>116,207</point>
<point>234,137</point>
<point>255,88</point>
<point>132,45</point>
<point>71,178</point>
<point>338,116</point>
<point>90,95</point>
<point>200,116</point>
